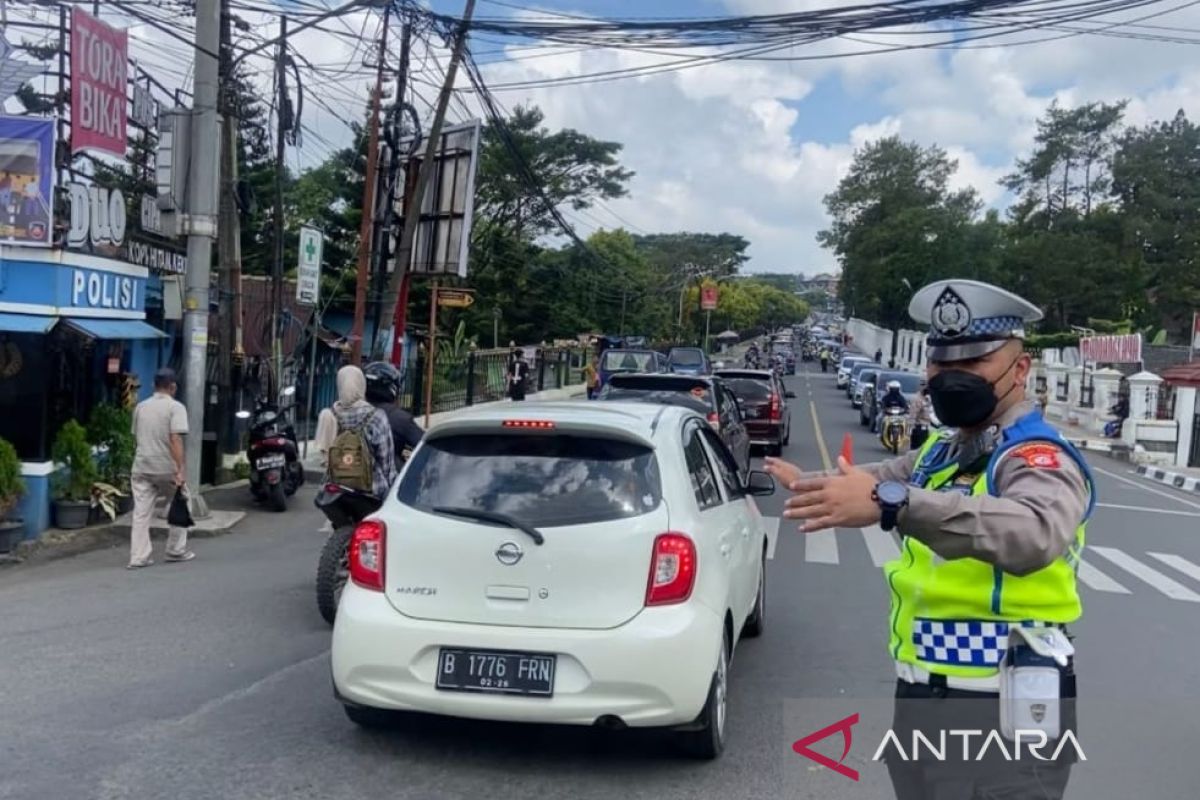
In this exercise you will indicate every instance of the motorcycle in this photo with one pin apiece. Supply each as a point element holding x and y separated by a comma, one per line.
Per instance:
<point>275,468</point>
<point>894,430</point>
<point>344,508</point>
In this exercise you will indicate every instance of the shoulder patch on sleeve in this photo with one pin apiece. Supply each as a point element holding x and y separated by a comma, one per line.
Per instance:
<point>1038,455</point>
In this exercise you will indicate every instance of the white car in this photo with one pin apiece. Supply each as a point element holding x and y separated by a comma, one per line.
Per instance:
<point>564,563</point>
<point>847,363</point>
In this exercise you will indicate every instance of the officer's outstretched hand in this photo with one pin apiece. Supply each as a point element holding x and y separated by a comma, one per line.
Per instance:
<point>844,500</point>
<point>784,472</point>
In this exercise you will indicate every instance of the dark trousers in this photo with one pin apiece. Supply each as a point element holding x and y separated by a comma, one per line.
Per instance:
<point>931,710</point>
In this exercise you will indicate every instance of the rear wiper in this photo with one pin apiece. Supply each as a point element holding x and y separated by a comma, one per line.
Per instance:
<point>491,516</point>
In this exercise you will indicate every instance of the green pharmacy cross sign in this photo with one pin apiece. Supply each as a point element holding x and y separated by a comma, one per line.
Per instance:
<point>308,271</point>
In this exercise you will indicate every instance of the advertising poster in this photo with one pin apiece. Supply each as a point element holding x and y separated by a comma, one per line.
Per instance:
<point>26,180</point>
<point>708,298</point>
<point>99,76</point>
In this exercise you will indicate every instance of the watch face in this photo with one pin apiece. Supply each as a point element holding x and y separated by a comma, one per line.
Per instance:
<point>892,493</point>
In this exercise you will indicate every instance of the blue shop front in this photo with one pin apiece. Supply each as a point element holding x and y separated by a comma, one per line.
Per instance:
<point>73,334</point>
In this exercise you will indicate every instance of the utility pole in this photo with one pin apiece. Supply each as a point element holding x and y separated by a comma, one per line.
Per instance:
<point>367,228</point>
<point>413,203</point>
<point>200,226</point>
<point>387,184</point>
<point>275,384</point>
<point>229,256</point>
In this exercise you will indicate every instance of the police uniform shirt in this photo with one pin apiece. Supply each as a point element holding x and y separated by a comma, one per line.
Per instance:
<point>1042,500</point>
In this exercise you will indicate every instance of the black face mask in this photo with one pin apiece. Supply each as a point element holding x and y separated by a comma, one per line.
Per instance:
<point>965,400</point>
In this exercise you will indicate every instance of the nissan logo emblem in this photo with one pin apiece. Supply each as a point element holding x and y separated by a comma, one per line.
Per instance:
<point>509,553</point>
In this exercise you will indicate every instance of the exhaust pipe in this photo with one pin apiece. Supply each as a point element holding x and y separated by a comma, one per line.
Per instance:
<point>610,722</point>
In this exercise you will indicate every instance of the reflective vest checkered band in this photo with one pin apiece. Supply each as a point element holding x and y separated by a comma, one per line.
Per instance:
<point>966,643</point>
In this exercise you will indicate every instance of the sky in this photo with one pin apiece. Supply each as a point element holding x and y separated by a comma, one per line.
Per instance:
<point>743,147</point>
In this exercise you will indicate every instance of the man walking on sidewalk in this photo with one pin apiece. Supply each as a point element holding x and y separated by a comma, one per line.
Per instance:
<point>159,425</point>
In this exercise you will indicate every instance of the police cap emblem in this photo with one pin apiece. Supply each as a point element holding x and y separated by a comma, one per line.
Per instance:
<point>951,317</point>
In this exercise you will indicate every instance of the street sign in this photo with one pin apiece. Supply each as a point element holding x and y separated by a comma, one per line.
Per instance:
<point>455,298</point>
<point>308,272</point>
<point>708,298</point>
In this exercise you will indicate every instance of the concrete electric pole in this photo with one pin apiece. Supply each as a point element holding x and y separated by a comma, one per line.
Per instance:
<point>201,227</point>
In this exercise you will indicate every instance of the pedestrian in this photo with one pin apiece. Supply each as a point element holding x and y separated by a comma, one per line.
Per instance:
<point>591,374</point>
<point>351,413</point>
<point>518,374</point>
<point>825,360</point>
<point>159,424</point>
<point>992,519</point>
<point>879,356</point>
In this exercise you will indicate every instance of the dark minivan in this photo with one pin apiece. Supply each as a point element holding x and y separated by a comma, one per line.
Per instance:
<point>688,361</point>
<point>764,404</point>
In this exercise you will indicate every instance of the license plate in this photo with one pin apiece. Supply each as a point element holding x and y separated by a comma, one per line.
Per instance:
<point>270,462</point>
<point>496,672</point>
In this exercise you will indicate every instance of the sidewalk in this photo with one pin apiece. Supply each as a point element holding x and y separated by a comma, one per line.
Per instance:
<point>1185,478</point>
<point>1085,440</point>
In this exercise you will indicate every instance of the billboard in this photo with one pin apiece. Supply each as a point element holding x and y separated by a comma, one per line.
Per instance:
<point>99,74</point>
<point>26,180</point>
<point>708,298</point>
<point>1123,349</point>
<point>443,236</point>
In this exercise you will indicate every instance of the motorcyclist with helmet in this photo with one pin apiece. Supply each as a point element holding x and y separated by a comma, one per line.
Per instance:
<point>893,398</point>
<point>383,392</point>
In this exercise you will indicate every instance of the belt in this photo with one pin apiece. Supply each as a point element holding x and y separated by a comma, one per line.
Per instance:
<point>913,674</point>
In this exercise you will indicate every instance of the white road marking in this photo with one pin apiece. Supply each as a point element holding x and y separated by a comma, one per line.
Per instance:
<point>1168,586</point>
<point>1095,579</point>
<point>1143,509</point>
<point>771,526</point>
<point>821,547</point>
<point>881,544</point>
<point>1178,562</point>
<point>1150,489</point>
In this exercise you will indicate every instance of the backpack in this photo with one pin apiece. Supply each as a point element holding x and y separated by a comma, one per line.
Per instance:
<point>350,462</point>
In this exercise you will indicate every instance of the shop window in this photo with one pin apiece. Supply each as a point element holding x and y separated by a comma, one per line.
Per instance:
<point>23,394</point>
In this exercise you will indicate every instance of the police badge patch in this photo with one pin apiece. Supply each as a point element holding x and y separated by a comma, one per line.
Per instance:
<point>951,317</point>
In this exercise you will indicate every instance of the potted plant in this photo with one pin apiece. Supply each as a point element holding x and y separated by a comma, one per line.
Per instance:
<point>111,428</point>
<point>12,488</point>
<point>72,484</point>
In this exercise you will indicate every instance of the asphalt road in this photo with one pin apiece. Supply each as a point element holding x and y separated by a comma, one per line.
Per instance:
<point>210,679</point>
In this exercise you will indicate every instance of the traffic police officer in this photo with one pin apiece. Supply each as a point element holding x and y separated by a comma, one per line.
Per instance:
<point>991,517</point>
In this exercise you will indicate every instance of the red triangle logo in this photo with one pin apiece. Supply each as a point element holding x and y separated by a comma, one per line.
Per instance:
<point>801,746</point>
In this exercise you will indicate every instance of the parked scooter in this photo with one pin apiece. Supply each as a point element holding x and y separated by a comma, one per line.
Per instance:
<point>344,508</point>
<point>275,468</point>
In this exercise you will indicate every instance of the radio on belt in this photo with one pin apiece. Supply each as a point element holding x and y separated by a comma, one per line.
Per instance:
<point>1031,676</point>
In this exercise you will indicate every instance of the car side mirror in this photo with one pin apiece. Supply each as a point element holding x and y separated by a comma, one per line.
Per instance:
<point>789,394</point>
<point>760,484</point>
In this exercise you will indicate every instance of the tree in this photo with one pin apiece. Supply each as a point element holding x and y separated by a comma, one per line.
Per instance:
<point>1156,179</point>
<point>896,224</point>
<point>718,255</point>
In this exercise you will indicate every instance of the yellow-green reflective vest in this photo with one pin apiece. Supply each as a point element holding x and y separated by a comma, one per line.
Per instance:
<point>952,617</point>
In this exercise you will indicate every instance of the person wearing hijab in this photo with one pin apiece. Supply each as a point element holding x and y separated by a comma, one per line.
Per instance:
<point>351,411</point>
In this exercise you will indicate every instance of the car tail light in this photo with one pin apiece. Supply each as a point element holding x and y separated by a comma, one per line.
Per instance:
<point>529,424</point>
<point>776,408</point>
<point>366,554</point>
<point>672,570</point>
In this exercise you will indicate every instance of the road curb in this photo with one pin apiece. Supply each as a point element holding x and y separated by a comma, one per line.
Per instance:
<point>1178,480</point>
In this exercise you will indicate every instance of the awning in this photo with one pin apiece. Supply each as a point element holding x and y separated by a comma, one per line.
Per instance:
<point>26,323</point>
<point>115,328</point>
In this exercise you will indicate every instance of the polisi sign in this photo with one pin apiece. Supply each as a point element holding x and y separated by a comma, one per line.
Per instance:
<point>99,55</point>
<point>95,289</point>
<point>98,217</point>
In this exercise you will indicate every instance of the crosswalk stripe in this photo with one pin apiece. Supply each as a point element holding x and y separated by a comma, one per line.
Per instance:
<point>821,547</point>
<point>880,543</point>
<point>771,526</point>
<point>1168,586</point>
<point>1179,563</point>
<point>1095,579</point>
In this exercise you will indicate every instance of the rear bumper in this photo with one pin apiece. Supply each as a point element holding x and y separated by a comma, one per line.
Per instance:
<point>654,670</point>
<point>763,433</point>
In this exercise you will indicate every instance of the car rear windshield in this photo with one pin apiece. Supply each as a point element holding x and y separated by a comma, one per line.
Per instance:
<point>543,481</point>
<point>909,383</point>
<point>687,358</point>
<point>615,360</point>
<point>750,389</point>
<point>698,398</point>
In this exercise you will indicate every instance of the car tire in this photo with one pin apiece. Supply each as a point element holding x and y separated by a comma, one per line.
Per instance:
<point>862,420</point>
<point>368,717</point>
<point>756,622</point>
<point>787,437</point>
<point>775,450</point>
<point>333,572</point>
<point>707,741</point>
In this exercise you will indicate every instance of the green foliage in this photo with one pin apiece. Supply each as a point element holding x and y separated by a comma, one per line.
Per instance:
<point>1052,341</point>
<point>241,469</point>
<point>12,487</point>
<point>111,427</point>
<point>73,453</point>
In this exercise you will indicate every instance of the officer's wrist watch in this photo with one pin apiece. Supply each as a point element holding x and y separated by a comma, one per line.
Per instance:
<point>891,496</point>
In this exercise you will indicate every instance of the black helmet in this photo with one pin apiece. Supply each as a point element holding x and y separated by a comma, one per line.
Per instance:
<point>383,382</point>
